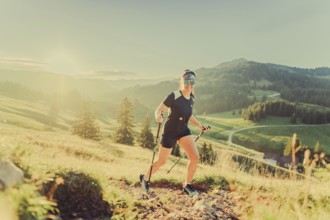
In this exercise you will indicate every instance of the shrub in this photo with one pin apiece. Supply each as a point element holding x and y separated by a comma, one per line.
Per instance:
<point>79,196</point>
<point>208,155</point>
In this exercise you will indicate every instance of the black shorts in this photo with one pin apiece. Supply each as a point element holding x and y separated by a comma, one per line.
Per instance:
<point>169,140</point>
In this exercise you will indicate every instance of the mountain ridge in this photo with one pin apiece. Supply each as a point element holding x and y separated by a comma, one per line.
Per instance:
<point>221,88</point>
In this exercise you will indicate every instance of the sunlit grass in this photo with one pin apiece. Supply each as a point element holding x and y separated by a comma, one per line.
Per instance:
<point>261,197</point>
<point>228,119</point>
<point>42,152</point>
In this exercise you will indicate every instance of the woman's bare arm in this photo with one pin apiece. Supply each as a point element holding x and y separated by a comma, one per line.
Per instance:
<point>193,120</point>
<point>159,112</point>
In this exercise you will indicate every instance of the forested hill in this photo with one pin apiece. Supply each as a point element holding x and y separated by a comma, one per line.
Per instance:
<point>224,87</point>
<point>317,72</point>
<point>228,85</point>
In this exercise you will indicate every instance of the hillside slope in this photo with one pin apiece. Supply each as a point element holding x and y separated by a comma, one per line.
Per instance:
<point>50,83</point>
<point>227,191</point>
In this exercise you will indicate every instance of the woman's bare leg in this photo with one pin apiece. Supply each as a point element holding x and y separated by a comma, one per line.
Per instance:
<point>188,144</point>
<point>163,155</point>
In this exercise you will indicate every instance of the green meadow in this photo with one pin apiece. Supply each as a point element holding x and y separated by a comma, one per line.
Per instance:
<point>270,134</point>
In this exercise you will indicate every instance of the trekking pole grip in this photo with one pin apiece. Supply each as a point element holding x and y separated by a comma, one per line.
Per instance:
<point>202,132</point>
<point>157,136</point>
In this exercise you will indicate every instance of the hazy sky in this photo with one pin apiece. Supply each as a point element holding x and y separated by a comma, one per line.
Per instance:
<point>162,37</point>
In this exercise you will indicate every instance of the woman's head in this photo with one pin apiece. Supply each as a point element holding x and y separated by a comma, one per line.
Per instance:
<point>188,80</point>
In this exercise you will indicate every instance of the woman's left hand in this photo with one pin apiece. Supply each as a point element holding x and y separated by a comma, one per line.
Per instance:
<point>204,128</point>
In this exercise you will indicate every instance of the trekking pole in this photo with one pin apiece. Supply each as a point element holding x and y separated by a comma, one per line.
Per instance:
<point>200,134</point>
<point>153,156</point>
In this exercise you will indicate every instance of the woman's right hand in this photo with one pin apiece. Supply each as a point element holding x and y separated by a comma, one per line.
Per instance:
<point>160,117</point>
<point>159,113</point>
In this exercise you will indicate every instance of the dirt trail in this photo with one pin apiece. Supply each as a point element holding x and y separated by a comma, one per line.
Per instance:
<point>167,201</point>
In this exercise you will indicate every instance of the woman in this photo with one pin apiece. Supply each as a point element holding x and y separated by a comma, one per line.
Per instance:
<point>176,129</point>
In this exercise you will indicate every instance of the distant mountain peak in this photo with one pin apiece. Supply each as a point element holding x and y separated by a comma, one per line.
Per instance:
<point>231,63</point>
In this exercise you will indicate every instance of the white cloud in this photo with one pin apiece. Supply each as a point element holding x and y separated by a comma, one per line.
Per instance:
<point>113,73</point>
<point>19,63</point>
<point>62,61</point>
<point>110,75</point>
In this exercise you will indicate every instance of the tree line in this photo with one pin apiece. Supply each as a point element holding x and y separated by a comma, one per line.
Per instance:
<point>298,87</point>
<point>86,127</point>
<point>260,110</point>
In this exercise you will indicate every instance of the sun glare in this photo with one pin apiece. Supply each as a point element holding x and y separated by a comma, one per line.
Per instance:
<point>62,62</point>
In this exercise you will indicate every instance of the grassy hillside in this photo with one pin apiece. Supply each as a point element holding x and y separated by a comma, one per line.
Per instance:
<point>38,116</point>
<point>43,150</point>
<point>42,154</point>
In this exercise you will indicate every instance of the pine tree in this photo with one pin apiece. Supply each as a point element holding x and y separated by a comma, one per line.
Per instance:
<point>203,153</point>
<point>208,155</point>
<point>146,138</point>
<point>85,125</point>
<point>213,156</point>
<point>125,133</point>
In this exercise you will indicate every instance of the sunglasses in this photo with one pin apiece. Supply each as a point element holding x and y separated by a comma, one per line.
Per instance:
<point>189,82</point>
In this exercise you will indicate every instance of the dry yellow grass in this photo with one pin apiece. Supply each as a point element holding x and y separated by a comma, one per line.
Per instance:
<point>44,152</point>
